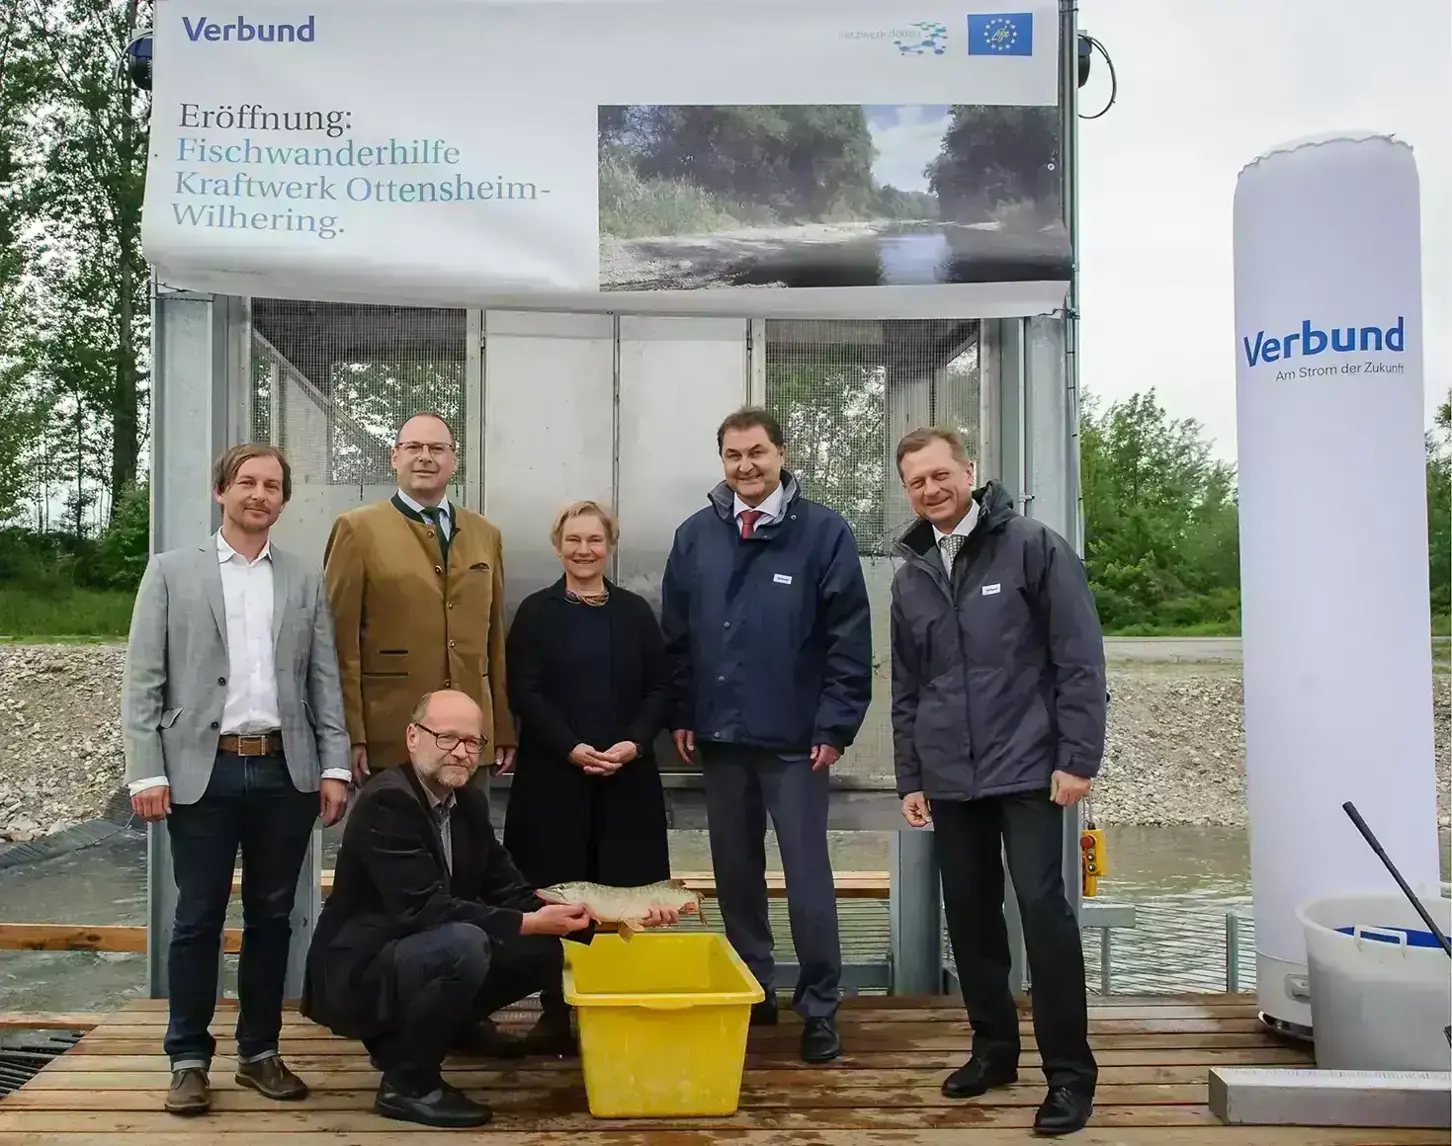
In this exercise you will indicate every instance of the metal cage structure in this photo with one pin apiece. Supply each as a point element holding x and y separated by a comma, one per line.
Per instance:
<point>549,406</point>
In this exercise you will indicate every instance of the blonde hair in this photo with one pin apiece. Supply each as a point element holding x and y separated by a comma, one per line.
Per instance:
<point>584,509</point>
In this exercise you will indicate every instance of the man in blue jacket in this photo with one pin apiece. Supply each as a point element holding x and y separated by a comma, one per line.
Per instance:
<point>769,635</point>
<point>998,718</point>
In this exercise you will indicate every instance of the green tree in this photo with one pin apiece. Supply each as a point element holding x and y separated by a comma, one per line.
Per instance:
<point>1439,513</point>
<point>992,157</point>
<point>1161,527</point>
<point>799,162</point>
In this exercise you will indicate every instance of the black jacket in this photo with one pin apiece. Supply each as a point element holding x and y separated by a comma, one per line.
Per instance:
<point>770,638</point>
<point>581,673</point>
<point>390,880</point>
<point>997,674</point>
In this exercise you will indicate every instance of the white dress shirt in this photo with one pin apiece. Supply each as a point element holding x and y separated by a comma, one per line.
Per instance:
<point>771,508</point>
<point>962,529</point>
<point>251,704</point>
<point>446,512</point>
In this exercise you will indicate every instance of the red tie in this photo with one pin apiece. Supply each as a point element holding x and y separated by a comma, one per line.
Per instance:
<point>748,521</point>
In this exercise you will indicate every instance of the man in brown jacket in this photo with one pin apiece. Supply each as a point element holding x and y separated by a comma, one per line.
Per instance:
<point>416,586</point>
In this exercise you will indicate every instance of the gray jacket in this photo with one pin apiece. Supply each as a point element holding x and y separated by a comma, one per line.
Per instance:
<point>174,686</point>
<point>997,674</point>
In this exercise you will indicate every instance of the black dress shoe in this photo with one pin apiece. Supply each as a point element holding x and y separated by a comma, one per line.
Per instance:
<point>820,1041</point>
<point>1063,1112</point>
<point>551,1037</point>
<point>443,1105</point>
<point>486,1040</point>
<point>976,1077</point>
<point>764,1013</point>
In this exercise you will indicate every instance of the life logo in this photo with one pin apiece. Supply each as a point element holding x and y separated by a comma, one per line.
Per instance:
<point>1001,34</point>
<point>239,30</point>
<point>932,41</point>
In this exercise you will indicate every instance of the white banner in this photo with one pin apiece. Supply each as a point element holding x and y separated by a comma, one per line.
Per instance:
<point>1336,612</point>
<point>583,153</point>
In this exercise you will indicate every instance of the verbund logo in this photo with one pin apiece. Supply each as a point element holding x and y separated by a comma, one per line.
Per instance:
<point>1310,341</point>
<point>239,31</point>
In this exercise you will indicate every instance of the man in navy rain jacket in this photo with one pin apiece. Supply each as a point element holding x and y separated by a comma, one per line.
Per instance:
<point>769,634</point>
<point>998,713</point>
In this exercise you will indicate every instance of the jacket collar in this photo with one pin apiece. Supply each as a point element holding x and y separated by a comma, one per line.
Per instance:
<point>723,498</point>
<point>995,508</point>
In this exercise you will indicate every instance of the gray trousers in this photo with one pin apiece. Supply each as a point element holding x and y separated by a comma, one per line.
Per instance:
<point>743,785</point>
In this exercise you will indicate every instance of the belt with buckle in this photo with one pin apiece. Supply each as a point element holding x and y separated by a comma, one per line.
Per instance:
<point>257,744</point>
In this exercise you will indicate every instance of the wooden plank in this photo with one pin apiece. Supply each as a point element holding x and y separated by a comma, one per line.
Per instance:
<point>1245,1001</point>
<point>322,1075</point>
<point>96,1044</point>
<point>944,1012</point>
<point>545,1119</point>
<point>57,1022</point>
<point>521,1101</point>
<point>850,1062</point>
<point>70,937</point>
<point>851,1029</point>
<point>849,884</point>
<point>181,1133</point>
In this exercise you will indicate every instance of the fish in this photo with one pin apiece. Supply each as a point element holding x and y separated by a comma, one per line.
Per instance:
<point>624,906</point>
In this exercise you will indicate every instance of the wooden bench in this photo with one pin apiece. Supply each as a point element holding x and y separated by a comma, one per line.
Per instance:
<point>78,937</point>
<point>850,884</point>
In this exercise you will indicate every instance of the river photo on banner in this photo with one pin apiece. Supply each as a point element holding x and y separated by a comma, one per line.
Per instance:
<point>829,195</point>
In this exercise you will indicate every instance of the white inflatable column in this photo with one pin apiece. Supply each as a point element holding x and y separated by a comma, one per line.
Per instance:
<point>1333,535</point>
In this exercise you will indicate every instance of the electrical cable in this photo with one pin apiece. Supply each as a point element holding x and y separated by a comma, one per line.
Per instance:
<point>1113,77</point>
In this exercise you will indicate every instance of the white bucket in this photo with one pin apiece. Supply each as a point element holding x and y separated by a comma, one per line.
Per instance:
<point>1381,984</point>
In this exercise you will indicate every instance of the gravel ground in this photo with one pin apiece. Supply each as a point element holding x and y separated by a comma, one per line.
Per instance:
<point>1175,753</point>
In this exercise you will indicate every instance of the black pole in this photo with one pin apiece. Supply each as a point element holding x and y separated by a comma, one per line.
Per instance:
<point>1350,809</point>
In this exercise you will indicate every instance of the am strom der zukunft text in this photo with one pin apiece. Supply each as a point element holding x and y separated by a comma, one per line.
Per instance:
<point>215,191</point>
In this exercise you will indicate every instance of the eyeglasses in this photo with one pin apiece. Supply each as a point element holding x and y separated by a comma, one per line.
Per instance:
<point>442,449</point>
<point>448,741</point>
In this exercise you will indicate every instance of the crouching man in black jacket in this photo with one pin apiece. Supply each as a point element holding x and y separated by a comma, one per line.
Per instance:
<point>998,712</point>
<point>430,928</point>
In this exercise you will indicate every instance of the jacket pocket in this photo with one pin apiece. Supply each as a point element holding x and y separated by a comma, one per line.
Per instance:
<point>168,717</point>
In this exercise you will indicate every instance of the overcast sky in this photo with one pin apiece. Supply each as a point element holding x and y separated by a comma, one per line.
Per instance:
<point>1203,89</point>
<point>908,137</point>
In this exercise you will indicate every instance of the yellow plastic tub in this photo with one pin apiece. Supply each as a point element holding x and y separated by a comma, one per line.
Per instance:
<point>663,1022</point>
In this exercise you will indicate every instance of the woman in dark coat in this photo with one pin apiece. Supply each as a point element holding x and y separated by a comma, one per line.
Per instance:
<point>587,680</point>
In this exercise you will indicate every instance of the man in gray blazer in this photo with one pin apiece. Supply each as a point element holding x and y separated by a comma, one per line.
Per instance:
<point>232,720</point>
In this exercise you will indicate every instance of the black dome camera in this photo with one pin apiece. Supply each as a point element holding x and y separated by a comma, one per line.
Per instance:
<point>1085,51</point>
<point>137,61</point>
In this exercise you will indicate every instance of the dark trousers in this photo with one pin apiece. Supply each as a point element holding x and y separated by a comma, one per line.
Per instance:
<point>447,978</point>
<point>743,786</point>
<point>1030,826</point>
<point>250,803</point>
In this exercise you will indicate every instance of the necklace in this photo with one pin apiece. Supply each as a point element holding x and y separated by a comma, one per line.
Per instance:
<point>595,600</point>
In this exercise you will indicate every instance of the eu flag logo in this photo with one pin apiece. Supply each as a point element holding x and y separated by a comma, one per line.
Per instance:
<point>1001,34</point>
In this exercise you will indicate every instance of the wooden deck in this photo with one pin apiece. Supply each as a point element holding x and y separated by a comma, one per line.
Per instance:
<point>1154,1056</point>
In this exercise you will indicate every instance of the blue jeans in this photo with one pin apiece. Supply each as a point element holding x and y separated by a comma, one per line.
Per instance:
<point>250,803</point>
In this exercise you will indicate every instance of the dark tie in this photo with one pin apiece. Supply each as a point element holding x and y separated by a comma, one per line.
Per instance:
<point>434,515</point>
<point>748,521</point>
<point>951,546</point>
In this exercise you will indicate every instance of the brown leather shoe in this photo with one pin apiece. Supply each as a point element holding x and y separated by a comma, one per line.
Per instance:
<point>271,1078</point>
<point>189,1093</point>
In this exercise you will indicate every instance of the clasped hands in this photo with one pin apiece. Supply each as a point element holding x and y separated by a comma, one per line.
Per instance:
<point>596,763</point>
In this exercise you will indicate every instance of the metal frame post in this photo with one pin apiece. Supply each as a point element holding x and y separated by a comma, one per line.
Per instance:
<point>916,913</point>
<point>201,402</point>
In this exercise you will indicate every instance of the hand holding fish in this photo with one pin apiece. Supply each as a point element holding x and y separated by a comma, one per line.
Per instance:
<point>555,919</point>
<point>632,908</point>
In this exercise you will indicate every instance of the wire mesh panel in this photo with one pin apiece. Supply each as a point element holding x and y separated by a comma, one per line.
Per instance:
<point>331,384</point>
<point>845,392</point>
